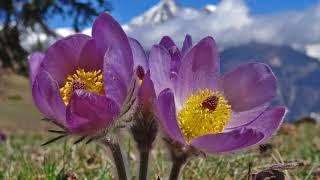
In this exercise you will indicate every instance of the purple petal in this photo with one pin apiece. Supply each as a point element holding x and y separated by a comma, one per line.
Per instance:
<point>175,60</point>
<point>160,63</point>
<point>61,59</point>
<point>139,55</point>
<point>116,77</point>
<point>89,58</point>
<point>88,112</point>
<point>199,69</point>
<point>147,94</point>
<point>187,44</point>
<point>228,141</point>
<point>249,85</point>
<point>46,95</point>
<point>239,119</point>
<point>109,36</point>
<point>167,115</point>
<point>174,52</point>
<point>114,45</point>
<point>167,43</point>
<point>35,60</point>
<point>269,122</point>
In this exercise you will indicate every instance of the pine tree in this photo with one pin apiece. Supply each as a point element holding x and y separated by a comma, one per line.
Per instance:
<point>19,16</point>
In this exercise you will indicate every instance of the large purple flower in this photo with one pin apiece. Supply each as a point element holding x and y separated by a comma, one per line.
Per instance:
<point>200,107</point>
<point>81,82</point>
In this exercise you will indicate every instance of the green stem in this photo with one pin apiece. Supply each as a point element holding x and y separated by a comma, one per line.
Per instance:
<point>144,132</point>
<point>144,160</point>
<point>118,158</point>
<point>177,166</point>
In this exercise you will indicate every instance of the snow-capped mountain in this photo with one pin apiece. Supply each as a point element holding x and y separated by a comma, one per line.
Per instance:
<point>160,13</point>
<point>164,11</point>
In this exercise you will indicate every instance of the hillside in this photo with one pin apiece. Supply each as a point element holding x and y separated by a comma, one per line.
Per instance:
<point>17,111</point>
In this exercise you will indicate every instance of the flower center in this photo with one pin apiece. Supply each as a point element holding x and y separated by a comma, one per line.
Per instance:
<point>204,113</point>
<point>91,81</point>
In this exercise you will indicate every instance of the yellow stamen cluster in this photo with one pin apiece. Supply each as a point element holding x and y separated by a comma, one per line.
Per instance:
<point>91,81</point>
<point>196,120</point>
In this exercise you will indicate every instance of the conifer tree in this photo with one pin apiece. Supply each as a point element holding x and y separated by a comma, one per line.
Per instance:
<point>22,16</point>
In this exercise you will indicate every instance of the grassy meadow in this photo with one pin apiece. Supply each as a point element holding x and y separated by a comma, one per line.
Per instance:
<point>295,149</point>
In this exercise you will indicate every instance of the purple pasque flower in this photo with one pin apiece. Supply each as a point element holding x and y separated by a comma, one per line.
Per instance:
<point>144,127</point>
<point>211,112</point>
<point>146,96</point>
<point>81,82</point>
<point>3,136</point>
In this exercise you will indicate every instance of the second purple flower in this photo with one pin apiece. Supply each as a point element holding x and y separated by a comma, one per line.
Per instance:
<point>212,112</point>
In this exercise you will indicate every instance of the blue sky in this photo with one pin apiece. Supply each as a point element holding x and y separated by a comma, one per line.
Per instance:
<point>124,10</point>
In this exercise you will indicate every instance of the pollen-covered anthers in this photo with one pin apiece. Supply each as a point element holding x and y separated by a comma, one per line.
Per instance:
<point>204,113</point>
<point>140,73</point>
<point>91,81</point>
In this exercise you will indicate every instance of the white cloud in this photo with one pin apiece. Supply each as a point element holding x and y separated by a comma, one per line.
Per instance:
<point>232,24</point>
<point>30,38</point>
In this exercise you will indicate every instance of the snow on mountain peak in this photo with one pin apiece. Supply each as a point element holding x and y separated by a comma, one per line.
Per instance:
<point>163,11</point>
<point>210,8</point>
<point>313,50</point>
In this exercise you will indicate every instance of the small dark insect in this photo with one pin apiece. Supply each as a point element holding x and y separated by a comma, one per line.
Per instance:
<point>268,175</point>
<point>211,103</point>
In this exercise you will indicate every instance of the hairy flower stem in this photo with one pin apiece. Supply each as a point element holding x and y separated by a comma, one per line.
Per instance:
<point>144,131</point>
<point>178,163</point>
<point>144,161</point>
<point>117,156</point>
<point>180,155</point>
<point>176,168</point>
